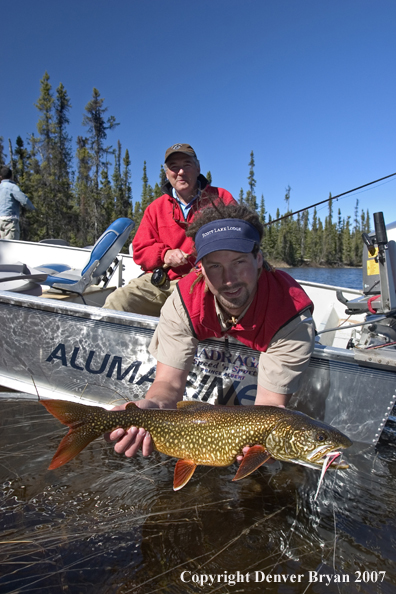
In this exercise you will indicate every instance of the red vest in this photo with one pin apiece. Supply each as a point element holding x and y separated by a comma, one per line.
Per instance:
<point>278,299</point>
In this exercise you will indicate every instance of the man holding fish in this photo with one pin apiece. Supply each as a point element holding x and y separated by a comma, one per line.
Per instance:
<point>232,292</point>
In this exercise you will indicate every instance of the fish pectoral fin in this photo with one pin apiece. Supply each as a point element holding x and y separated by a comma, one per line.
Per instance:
<point>184,470</point>
<point>193,403</point>
<point>131,405</point>
<point>255,457</point>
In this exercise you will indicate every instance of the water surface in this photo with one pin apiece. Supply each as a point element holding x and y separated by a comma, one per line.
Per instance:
<point>350,278</point>
<point>105,524</point>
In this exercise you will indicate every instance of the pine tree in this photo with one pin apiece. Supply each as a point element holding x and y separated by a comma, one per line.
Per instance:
<point>251,199</point>
<point>126,185</point>
<point>2,155</point>
<point>22,166</point>
<point>158,186</point>
<point>241,197</point>
<point>83,194</point>
<point>145,197</point>
<point>340,238</point>
<point>61,165</point>
<point>22,174</point>
<point>347,255</point>
<point>304,234</point>
<point>262,210</point>
<point>357,238</point>
<point>97,125</point>
<point>42,179</point>
<point>209,178</point>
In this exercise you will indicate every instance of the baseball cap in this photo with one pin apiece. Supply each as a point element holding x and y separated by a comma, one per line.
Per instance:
<point>180,148</point>
<point>235,235</point>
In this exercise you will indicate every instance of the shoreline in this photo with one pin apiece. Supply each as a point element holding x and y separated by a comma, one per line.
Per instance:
<point>280,264</point>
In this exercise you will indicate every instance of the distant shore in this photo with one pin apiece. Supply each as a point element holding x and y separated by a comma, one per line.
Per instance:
<point>280,264</point>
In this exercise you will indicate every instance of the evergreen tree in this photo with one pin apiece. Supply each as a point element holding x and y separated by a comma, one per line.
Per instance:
<point>209,177</point>
<point>44,218</point>
<point>357,238</point>
<point>340,238</point>
<point>126,185</point>
<point>122,190</point>
<point>61,168</point>
<point>145,197</point>
<point>241,197</point>
<point>304,234</point>
<point>262,210</point>
<point>22,166</point>
<point>22,174</point>
<point>251,199</point>
<point>158,186</point>
<point>83,192</point>
<point>347,255</point>
<point>2,155</point>
<point>314,245</point>
<point>97,125</point>
<point>330,236</point>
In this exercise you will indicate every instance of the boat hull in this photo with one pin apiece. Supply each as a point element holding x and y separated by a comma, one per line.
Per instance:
<point>76,352</point>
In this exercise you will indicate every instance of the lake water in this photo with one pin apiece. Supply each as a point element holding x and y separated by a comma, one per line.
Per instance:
<point>103,524</point>
<point>338,277</point>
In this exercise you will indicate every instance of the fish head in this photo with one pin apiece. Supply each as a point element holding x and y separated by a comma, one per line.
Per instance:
<point>298,438</point>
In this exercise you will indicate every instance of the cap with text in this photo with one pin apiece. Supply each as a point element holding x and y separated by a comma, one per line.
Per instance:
<point>234,235</point>
<point>180,148</point>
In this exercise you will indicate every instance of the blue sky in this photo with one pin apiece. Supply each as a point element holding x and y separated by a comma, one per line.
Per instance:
<point>308,85</point>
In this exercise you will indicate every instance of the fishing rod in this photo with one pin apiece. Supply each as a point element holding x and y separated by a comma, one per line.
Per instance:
<point>327,200</point>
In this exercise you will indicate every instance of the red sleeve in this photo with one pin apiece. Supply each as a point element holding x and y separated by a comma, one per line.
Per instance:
<point>148,247</point>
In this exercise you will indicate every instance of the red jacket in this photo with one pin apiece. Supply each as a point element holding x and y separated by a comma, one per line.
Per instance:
<point>163,228</point>
<point>279,299</point>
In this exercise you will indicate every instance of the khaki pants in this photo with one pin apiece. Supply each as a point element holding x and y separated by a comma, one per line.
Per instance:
<point>140,296</point>
<point>9,228</point>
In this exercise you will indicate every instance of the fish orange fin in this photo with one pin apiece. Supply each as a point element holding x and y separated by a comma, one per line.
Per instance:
<point>193,403</point>
<point>255,457</point>
<point>81,432</point>
<point>68,412</point>
<point>184,470</point>
<point>72,444</point>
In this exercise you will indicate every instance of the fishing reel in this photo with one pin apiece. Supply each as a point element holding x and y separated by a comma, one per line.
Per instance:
<point>159,277</point>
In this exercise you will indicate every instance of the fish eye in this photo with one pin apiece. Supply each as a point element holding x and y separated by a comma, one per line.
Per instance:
<point>320,436</point>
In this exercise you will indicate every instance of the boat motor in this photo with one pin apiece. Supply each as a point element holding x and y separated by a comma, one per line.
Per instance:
<point>379,271</point>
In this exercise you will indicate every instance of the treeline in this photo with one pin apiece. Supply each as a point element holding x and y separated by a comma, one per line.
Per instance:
<point>78,191</point>
<point>298,240</point>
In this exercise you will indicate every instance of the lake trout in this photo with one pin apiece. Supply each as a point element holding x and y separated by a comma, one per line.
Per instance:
<point>203,434</point>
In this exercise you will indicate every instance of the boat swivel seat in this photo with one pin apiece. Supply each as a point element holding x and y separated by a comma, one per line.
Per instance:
<point>101,265</point>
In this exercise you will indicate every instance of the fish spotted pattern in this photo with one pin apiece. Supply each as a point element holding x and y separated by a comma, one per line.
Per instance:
<point>202,434</point>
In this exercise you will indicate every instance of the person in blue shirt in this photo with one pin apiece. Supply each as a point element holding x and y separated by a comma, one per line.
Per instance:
<point>11,200</point>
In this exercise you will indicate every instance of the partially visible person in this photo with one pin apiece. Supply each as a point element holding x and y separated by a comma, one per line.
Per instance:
<point>237,294</point>
<point>11,200</point>
<point>160,241</point>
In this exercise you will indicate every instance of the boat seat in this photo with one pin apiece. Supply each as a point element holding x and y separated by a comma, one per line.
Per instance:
<point>19,278</point>
<point>101,265</point>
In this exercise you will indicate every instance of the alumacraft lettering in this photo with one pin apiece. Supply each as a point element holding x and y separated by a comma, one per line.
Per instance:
<point>94,366</point>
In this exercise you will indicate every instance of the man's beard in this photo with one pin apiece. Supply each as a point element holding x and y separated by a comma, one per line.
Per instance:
<point>228,302</point>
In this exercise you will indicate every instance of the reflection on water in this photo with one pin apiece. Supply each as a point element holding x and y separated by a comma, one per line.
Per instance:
<point>106,524</point>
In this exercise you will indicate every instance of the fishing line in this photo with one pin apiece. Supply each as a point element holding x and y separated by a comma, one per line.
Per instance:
<point>328,200</point>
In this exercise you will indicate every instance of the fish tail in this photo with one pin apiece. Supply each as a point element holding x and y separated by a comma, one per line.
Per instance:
<point>81,431</point>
